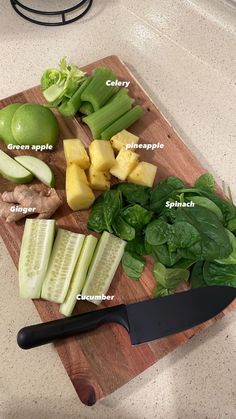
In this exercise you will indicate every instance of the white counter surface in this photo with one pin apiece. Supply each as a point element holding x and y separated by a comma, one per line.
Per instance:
<point>183,53</point>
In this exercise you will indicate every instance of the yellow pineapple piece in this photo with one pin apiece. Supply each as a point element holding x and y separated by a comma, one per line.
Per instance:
<point>75,152</point>
<point>81,175</point>
<point>101,155</point>
<point>123,138</point>
<point>99,180</point>
<point>78,193</point>
<point>126,161</point>
<point>143,174</point>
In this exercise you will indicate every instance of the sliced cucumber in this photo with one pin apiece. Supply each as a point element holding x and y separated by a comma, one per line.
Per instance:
<point>35,252</point>
<point>106,259</point>
<point>65,253</point>
<point>79,275</point>
<point>38,168</point>
<point>12,170</point>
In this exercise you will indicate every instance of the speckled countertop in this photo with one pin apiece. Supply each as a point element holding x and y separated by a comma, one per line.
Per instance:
<point>183,52</point>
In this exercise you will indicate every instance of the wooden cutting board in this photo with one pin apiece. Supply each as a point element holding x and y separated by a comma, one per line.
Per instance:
<point>101,361</point>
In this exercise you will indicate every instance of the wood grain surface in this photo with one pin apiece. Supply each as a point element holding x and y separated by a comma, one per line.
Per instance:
<point>103,360</point>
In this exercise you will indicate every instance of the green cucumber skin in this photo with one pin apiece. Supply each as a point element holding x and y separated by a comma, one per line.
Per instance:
<point>32,268</point>
<point>13,171</point>
<point>98,262</point>
<point>79,275</point>
<point>38,168</point>
<point>67,245</point>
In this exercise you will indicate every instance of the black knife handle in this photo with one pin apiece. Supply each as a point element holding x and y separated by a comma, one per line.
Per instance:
<point>42,333</point>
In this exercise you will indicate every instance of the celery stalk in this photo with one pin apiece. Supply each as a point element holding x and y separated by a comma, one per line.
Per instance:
<point>61,83</point>
<point>98,93</point>
<point>54,91</point>
<point>120,93</point>
<point>104,117</point>
<point>123,122</point>
<point>86,108</point>
<point>70,107</point>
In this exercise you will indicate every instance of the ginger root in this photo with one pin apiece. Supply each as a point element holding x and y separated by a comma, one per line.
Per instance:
<point>42,202</point>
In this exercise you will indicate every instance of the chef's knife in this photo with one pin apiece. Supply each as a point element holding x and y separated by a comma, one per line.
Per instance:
<point>144,321</point>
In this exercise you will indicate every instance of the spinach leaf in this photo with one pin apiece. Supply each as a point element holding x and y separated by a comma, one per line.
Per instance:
<point>202,201</point>
<point>183,235</point>
<point>133,265</point>
<point>215,243</point>
<point>123,229</point>
<point>169,278</point>
<point>137,245</point>
<point>112,203</point>
<point>232,225</point>
<point>136,216</point>
<point>168,214</point>
<point>165,190</point>
<point>193,252</point>
<point>196,276</point>
<point>156,232</point>
<point>160,291</point>
<point>231,259</point>
<point>149,249</point>
<point>134,194</point>
<point>96,220</point>
<point>184,263</point>
<point>227,208</point>
<point>193,190</point>
<point>206,182</point>
<point>163,254</point>
<point>104,210</point>
<point>217,274</point>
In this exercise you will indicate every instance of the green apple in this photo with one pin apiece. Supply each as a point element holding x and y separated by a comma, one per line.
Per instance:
<point>12,170</point>
<point>34,124</point>
<point>38,168</point>
<point>6,115</point>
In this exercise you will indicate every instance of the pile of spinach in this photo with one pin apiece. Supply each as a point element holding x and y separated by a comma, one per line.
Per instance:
<point>200,237</point>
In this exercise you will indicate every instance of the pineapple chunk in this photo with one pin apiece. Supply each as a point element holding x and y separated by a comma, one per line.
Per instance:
<point>143,174</point>
<point>81,174</point>
<point>99,180</point>
<point>123,138</point>
<point>126,161</point>
<point>78,194</point>
<point>75,153</point>
<point>101,155</point>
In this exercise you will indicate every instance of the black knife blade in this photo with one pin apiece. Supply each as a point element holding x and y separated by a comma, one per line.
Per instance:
<point>145,321</point>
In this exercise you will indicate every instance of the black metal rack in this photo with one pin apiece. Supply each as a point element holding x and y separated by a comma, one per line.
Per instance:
<point>82,7</point>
